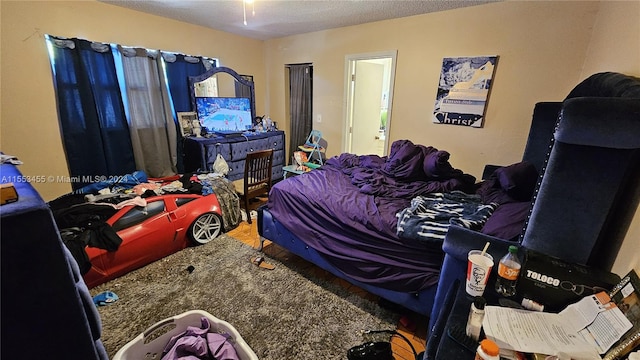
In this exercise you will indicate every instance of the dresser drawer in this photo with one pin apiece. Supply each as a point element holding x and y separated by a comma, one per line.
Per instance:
<point>234,150</point>
<point>236,170</point>
<point>240,149</point>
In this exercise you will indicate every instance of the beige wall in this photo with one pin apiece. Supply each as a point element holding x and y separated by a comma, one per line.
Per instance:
<point>542,47</point>
<point>545,49</point>
<point>29,123</point>
<point>615,42</point>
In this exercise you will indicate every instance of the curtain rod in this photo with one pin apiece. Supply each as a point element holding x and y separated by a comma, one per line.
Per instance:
<point>290,65</point>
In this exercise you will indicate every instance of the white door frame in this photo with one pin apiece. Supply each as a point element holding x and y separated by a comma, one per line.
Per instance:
<point>349,65</point>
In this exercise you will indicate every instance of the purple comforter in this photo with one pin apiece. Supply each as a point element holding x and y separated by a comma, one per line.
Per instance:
<point>346,210</point>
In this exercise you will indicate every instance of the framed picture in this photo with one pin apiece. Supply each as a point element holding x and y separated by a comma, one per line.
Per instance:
<point>186,121</point>
<point>463,90</point>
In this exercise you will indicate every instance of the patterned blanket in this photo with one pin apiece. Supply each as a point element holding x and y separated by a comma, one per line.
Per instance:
<point>229,202</point>
<point>429,217</point>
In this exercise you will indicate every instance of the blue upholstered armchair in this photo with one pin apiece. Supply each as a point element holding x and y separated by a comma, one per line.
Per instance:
<point>587,149</point>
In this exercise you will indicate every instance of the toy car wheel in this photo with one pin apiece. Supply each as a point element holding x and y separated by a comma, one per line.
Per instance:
<point>206,228</point>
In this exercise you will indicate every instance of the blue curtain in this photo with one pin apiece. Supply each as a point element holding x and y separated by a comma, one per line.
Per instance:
<point>92,119</point>
<point>178,69</point>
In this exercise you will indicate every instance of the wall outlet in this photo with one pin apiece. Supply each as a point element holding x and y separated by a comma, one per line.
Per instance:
<point>319,118</point>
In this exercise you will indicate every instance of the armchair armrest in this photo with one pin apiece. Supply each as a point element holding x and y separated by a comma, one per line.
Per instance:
<point>457,244</point>
<point>459,241</point>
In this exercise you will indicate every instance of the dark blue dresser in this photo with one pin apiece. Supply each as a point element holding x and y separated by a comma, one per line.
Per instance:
<point>200,153</point>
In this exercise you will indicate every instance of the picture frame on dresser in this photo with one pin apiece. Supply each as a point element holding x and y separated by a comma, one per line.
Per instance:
<point>185,119</point>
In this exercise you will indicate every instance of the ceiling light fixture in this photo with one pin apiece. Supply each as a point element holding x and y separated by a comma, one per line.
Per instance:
<point>244,10</point>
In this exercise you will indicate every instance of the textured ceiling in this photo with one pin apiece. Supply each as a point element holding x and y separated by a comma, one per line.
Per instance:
<point>278,18</point>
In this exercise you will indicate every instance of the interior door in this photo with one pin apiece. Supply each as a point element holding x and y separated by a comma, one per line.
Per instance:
<point>369,80</point>
<point>367,98</point>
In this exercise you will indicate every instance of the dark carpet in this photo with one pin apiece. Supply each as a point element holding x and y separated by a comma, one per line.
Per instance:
<point>281,314</point>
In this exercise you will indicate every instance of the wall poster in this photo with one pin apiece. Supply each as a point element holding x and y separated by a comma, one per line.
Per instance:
<point>463,90</point>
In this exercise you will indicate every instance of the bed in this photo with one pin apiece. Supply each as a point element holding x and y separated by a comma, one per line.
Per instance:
<point>343,217</point>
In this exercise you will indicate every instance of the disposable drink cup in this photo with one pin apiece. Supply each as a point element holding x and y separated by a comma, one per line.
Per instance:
<point>478,270</point>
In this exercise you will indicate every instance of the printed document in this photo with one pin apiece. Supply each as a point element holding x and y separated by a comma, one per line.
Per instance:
<point>581,331</point>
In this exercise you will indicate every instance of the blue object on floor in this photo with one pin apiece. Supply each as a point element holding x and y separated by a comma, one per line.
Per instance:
<point>105,298</point>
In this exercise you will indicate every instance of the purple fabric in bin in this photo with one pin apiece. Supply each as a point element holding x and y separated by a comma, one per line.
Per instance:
<point>199,344</point>
<point>346,210</point>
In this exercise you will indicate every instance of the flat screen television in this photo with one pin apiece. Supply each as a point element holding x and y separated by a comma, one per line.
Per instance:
<point>224,114</point>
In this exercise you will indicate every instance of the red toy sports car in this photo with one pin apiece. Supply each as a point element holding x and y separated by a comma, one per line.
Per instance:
<point>164,226</point>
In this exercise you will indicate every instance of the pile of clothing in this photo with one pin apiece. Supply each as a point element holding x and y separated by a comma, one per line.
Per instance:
<point>82,214</point>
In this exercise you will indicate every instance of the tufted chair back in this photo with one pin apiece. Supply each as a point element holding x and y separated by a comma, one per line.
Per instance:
<point>590,186</point>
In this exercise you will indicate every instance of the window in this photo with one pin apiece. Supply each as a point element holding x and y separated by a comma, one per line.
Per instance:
<point>92,120</point>
<point>139,214</point>
<point>182,201</point>
<point>101,111</point>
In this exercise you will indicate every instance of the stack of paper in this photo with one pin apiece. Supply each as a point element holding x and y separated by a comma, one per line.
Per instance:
<point>581,331</point>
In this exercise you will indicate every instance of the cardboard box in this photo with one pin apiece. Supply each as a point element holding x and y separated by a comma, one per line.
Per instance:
<point>8,193</point>
<point>555,283</point>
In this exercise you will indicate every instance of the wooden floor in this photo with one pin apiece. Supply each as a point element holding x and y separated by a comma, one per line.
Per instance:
<point>411,325</point>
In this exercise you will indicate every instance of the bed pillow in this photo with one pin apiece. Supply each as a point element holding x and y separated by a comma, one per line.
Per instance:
<point>490,191</point>
<point>507,221</point>
<point>518,180</point>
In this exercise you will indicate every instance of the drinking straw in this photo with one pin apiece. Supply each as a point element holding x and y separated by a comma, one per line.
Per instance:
<point>485,248</point>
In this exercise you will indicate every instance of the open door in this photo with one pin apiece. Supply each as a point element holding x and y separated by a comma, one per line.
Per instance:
<point>369,79</point>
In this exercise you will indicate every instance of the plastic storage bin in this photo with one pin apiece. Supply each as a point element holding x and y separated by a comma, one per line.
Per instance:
<point>149,344</point>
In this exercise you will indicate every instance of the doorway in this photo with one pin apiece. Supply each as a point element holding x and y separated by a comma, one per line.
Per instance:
<point>299,101</point>
<point>369,90</point>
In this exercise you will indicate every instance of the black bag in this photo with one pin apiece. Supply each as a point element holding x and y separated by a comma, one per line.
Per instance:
<point>555,283</point>
<point>378,350</point>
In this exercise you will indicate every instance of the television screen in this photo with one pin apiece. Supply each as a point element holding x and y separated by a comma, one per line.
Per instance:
<point>223,114</point>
